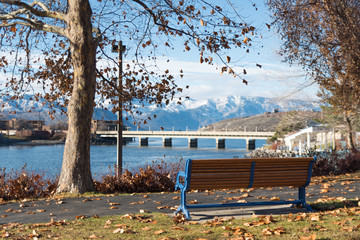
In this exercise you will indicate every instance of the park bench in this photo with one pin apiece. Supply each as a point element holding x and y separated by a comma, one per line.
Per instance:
<point>215,174</point>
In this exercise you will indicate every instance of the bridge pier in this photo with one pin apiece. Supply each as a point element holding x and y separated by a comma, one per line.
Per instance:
<point>220,143</point>
<point>250,144</point>
<point>143,141</point>
<point>193,143</point>
<point>167,142</point>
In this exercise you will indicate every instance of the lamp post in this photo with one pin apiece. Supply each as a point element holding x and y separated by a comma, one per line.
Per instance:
<point>119,48</point>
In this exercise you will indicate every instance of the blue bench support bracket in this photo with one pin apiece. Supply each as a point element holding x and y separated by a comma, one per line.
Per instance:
<point>183,187</point>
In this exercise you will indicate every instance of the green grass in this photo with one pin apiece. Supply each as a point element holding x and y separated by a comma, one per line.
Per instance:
<point>339,224</point>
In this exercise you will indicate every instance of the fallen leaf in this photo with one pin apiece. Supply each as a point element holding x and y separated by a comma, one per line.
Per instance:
<point>144,211</point>
<point>180,228</point>
<point>118,230</point>
<point>34,234</point>
<point>193,201</point>
<point>279,230</point>
<point>267,232</point>
<point>312,237</point>
<point>163,207</point>
<point>159,232</point>
<point>341,199</point>
<point>275,199</point>
<point>114,203</point>
<point>110,221</point>
<point>314,218</point>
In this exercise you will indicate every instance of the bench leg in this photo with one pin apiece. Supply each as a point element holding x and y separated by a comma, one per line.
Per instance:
<point>182,208</point>
<point>302,196</point>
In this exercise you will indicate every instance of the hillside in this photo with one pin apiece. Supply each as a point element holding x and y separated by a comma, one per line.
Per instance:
<point>266,122</point>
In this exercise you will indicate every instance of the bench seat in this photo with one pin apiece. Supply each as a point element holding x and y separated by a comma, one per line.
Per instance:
<point>215,174</point>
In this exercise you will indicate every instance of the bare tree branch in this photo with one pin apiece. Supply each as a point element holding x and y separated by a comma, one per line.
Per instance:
<point>35,24</point>
<point>31,8</point>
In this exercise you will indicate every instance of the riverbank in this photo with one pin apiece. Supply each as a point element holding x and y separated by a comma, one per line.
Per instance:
<point>5,141</point>
<point>42,142</point>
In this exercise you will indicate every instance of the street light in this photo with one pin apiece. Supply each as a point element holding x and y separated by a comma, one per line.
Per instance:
<point>119,48</point>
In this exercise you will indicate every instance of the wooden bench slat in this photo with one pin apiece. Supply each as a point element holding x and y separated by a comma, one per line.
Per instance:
<point>221,175</point>
<point>277,179</point>
<point>291,159</point>
<point>293,184</point>
<point>259,175</point>
<point>262,165</point>
<point>230,171</point>
<point>244,180</point>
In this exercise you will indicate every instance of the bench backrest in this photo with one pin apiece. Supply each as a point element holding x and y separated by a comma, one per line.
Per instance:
<point>248,172</point>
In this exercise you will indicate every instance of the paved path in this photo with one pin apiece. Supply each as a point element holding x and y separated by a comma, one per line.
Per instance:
<point>71,208</point>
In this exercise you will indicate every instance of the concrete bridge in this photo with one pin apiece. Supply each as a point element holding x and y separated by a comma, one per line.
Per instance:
<point>192,136</point>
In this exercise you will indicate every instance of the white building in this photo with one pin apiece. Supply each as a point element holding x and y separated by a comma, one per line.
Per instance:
<point>317,137</point>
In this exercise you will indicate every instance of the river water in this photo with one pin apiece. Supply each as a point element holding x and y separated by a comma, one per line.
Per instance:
<point>47,159</point>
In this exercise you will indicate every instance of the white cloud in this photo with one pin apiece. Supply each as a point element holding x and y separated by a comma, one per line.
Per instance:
<point>271,80</point>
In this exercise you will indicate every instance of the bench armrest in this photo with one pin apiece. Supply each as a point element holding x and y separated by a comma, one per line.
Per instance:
<point>178,184</point>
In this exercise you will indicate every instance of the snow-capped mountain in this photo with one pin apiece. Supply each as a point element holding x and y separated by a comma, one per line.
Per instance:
<point>191,114</point>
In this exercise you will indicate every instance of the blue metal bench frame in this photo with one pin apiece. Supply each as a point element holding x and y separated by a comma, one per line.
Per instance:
<point>184,187</point>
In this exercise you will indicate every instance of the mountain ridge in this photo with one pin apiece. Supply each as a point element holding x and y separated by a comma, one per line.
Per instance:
<point>191,114</point>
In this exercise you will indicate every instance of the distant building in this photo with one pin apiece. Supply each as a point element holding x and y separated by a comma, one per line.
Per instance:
<point>103,125</point>
<point>317,137</point>
<point>25,124</point>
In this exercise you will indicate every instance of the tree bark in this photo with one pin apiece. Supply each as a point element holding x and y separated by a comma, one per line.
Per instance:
<point>349,135</point>
<point>75,173</point>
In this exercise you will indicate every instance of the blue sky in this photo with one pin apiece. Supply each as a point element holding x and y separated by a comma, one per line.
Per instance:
<point>275,78</point>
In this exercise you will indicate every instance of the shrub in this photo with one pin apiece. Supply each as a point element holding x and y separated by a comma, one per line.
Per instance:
<point>160,176</point>
<point>336,163</point>
<point>17,185</point>
<point>327,163</point>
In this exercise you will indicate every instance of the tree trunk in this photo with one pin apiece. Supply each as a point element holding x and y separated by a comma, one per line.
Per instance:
<point>349,135</point>
<point>75,173</point>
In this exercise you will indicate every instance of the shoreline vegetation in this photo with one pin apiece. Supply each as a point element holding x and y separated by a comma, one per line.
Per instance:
<point>159,176</point>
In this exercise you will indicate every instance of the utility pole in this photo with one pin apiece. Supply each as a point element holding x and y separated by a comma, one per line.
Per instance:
<point>119,48</point>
